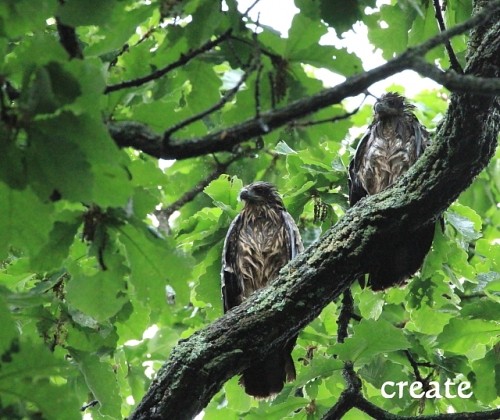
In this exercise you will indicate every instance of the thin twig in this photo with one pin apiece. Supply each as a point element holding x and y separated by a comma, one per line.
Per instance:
<point>127,47</point>
<point>455,65</point>
<point>161,72</point>
<point>257,91</point>
<point>262,50</point>
<point>326,120</point>
<point>164,214</point>
<point>345,316</point>
<point>225,98</point>
<point>250,8</point>
<point>415,366</point>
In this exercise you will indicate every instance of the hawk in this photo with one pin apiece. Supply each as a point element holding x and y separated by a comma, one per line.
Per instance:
<point>259,242</point>
<point>392,143</point>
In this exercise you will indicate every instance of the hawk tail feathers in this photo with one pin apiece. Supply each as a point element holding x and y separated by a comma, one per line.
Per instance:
<point>266,378</point>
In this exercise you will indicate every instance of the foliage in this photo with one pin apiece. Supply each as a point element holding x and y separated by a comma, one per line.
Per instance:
<point>86,275</point>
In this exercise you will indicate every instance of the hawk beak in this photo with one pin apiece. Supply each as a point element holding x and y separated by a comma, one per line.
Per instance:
<point>244,194</point>
<point>380,108</point>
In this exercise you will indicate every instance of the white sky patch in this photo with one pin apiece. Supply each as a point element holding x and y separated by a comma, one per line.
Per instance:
<point>150,332</point>
<point>164,163</point>
<point>276,14</point>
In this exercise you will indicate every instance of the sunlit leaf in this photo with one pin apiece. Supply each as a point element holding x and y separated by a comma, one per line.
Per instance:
<point>462,335</point>
<point>371,338</point>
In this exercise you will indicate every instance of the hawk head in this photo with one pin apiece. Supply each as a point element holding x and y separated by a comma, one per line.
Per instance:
<point>260,193</point>
<point>391,105</point>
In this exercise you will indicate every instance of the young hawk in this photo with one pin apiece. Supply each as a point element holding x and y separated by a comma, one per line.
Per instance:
<point>393,142</point>
<point>260,241</point>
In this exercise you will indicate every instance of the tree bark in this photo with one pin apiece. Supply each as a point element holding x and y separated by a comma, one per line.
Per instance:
<point>463,145</point>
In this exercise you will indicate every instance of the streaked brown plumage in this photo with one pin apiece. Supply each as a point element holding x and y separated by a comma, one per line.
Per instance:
<point>393,142</point>
<point>259,242</point>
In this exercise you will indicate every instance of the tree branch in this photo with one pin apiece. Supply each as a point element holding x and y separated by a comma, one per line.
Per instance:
<point>351,398</point>
<point>455,65</point>
<point>327,120</point>
<point>378,413</point>
<point>456,82</point>
<point>164,214</point>
<point>346,313</point>
<point>161,72</point>
<point>225,98</point>
<point>139,136</point>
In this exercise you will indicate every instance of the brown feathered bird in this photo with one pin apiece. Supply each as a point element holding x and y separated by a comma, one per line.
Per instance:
<point>260,241</point>
<point>393,142</point>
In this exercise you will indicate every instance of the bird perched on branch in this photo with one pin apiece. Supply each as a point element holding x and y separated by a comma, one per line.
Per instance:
<point>260,241</point>
<point>393,142</point>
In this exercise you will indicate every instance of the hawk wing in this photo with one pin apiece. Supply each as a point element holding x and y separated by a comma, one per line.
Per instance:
<point>232,289</point>
<point>293,239</point>
<point>356,190</point>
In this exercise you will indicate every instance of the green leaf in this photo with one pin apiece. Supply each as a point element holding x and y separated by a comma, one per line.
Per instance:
<point>90,12</point>
<point>100,295</point>
<point>340,14</point>
<point>370,304</point>
<point>21,16</point>
<point>369,339</point>
<point>204,87</point>
<point>462,336</point>
<point>61,237</point>
<point>465,221</point>
<point>319,367</point>
<point>303,34</point>
<point>490,250</point>
<point>120,24</point>
<point>208,288</point>
<point>33,375</point>
<point>424,27</point>
<point>154,264</point>
<point>284,149</point>
<point>206,19</point>
<point>51,160</point>
<point>84,166</point>
<point>8,331</point>
<point>25,222</point>
<point>380,370</point>
<point>101,381</point>
<point>279,410</point>
<point>12,170</point>
<point>485,384</point>
<point>393,37</point>
<point>237,401</point>
<point>428,320</point>
<point>224,191</point>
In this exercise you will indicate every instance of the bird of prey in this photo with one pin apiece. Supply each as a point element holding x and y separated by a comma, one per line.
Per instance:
<point>259,242</point>
<point>392,143</point>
